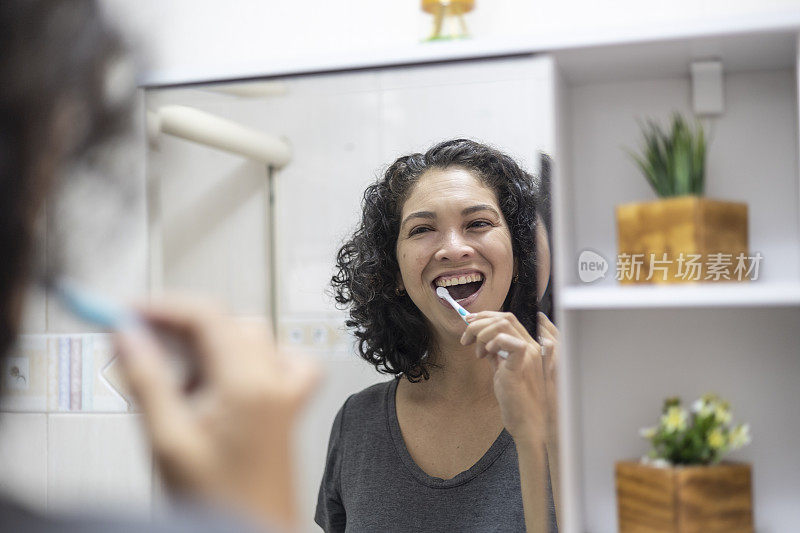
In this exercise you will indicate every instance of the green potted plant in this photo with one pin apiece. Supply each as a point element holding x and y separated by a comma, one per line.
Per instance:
<point>656,239</point>
<point>682,484</point>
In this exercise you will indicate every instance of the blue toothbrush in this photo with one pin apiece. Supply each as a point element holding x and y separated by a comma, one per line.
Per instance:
<point>444,294</point>
<point>93,307</point>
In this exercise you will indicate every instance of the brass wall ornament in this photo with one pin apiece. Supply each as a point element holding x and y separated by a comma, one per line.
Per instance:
<point>448,18</point>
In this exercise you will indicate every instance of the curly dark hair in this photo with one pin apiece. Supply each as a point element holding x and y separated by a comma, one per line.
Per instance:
<point>393,334</point>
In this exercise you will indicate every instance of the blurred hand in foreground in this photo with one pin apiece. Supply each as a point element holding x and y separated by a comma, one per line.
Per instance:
<point>229,440</point>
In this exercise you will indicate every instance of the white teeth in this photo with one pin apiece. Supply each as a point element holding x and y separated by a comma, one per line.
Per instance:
<point>460,280</point>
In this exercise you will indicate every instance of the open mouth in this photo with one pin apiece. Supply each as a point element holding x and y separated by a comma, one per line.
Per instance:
<point>459,292</point>
<point>461,287</point>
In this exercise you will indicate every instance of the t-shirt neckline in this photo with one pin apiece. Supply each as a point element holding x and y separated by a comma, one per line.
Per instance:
<point>495,450</point>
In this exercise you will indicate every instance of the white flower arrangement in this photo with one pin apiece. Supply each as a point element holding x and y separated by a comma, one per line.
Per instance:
<point>701,436</point>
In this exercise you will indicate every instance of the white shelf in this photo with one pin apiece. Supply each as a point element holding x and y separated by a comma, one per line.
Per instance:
<point>745,294</point>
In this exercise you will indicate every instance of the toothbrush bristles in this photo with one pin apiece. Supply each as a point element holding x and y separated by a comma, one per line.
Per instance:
<point>444,294</point>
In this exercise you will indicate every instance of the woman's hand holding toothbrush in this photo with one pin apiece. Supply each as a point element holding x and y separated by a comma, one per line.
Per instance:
<point>521,388</point>
<point>519,382</point>
<point>231,439</point>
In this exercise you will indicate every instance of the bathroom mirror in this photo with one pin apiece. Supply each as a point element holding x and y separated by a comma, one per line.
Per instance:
<point>263,237</point>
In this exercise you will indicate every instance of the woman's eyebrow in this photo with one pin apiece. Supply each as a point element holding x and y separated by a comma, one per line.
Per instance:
<point>466,211</point>
<point>479,207</point>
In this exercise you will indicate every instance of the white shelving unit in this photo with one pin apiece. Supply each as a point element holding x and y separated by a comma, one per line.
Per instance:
<point>628,347</point>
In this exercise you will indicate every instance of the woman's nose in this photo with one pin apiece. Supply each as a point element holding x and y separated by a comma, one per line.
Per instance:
<point>454,247</point>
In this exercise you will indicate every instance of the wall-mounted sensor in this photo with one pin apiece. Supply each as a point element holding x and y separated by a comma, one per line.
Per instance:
<point>707,93</point>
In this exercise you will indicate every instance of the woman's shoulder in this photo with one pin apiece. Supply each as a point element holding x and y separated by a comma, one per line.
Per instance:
<point>368,405</point>
<point>373,394</point>
<point>372,397</point>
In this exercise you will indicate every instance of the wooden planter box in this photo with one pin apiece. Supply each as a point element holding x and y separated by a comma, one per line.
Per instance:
<point>683,224</point>
<point>685,499</point>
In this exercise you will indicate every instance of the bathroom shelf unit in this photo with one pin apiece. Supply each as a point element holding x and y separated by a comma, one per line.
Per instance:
<point>626,348</point>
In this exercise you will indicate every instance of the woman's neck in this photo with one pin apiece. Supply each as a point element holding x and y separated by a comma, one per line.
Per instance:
<point>458,377</point>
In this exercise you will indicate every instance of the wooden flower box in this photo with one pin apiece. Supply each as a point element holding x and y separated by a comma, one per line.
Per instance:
<point>685,499</point>
<point>688,225</point>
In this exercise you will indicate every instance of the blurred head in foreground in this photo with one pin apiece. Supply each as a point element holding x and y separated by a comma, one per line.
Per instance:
<point>65,87</point>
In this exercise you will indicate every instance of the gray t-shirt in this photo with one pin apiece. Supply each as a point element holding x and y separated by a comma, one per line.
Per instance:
<point>371,483</point>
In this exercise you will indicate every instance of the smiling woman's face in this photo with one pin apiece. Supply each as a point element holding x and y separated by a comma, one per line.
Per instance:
<point>452,231</point>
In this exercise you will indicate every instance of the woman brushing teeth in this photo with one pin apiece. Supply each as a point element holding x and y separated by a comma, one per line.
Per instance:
<point>458,440</point>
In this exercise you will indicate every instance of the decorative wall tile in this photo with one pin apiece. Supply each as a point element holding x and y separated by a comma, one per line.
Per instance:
<point>324,337</point>
<point>23,385</point>
<point>59,373</point>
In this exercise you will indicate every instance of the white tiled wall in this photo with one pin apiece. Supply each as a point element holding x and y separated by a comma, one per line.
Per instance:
<point>69,462</point>
<point>23,457</point>
<point>111,468</point>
